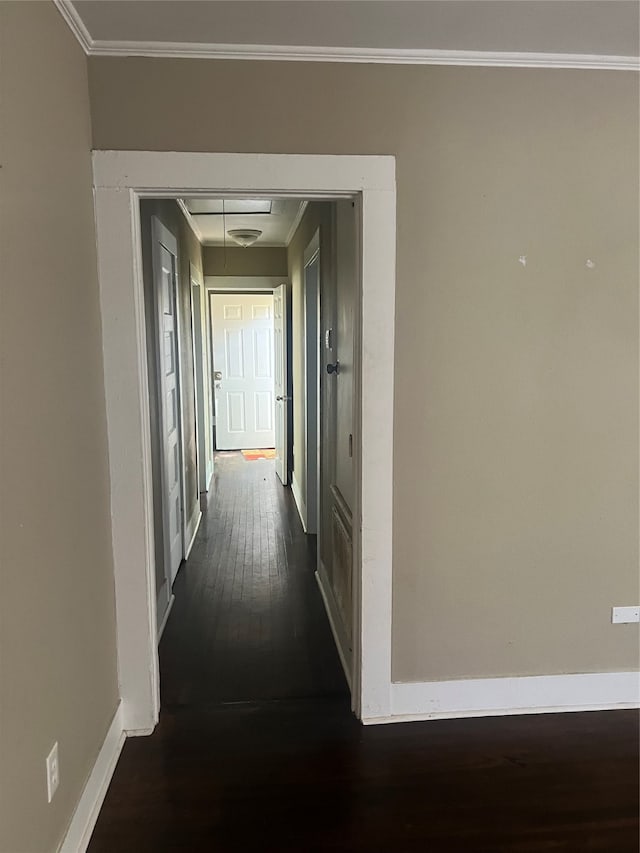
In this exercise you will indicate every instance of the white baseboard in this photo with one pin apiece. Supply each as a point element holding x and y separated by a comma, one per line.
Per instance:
<point>300,504</point>
<point>86,814</point>
<point>192,531</point>
<point>342,643</point>
<point>165,617</point>
<point>486,697</point>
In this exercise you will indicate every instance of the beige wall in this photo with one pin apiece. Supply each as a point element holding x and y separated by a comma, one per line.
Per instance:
<point>254,260</point>
<point>516,413</point>
<point>58,677</point>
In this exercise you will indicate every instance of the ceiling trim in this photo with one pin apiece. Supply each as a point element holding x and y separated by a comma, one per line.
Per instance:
<point>296,221</point>
<point>75,23</point>
<point>292,53</point>
<point>190,221</point>
<point>384,56</point>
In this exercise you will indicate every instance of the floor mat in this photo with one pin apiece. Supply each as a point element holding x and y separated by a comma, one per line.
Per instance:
<point>252,455</point>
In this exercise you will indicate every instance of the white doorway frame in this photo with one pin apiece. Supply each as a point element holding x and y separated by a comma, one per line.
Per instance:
<point>201,373</point>
<point>211,294</point>
<point>311,308</point>
<point>121,179</point>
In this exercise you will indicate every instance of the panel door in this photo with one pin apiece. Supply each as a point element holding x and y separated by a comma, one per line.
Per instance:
<point>165,282</point>
<point>337,307</point>
<point>243,364</point>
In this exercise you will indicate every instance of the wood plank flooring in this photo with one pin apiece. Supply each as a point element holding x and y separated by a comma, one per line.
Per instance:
<point>248,621</point>
<point>257,749</point>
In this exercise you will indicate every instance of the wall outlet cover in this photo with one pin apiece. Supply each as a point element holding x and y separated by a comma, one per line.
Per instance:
<point>53,772</point>
<point>625,614</point>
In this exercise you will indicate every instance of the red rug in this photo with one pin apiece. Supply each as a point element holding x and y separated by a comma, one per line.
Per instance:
<point>252,455</point>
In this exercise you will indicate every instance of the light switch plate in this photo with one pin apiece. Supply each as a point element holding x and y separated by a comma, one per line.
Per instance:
<point>53,772</point>
<point>625,614</point>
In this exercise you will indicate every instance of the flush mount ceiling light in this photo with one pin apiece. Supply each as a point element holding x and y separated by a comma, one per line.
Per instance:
<point>244,236</point>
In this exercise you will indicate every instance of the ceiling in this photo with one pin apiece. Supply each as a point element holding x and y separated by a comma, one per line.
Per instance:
<point>276,218</point>
<point>594,27</point>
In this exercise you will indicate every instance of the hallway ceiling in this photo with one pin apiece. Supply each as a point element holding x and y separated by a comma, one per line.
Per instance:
<point>597,27</point>
<point>276,218</point>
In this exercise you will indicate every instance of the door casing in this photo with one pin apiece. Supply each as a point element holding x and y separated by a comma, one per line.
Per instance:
<point>311,286</point>
<point>226,440</point>
<point>121,179</point>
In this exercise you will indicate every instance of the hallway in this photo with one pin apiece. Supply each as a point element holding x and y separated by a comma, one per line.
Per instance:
<point>257,749</point>
<point>248,621</point>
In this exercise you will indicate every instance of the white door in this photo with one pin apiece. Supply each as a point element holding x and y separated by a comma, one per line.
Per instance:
<point>282,400</point>
<point>243,328</point>
<point>165,265</point>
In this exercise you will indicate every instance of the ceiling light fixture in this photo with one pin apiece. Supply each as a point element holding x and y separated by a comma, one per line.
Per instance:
<point>244,236</point>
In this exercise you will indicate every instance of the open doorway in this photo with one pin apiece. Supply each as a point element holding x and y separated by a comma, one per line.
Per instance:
<point>263,340</point>
<point>370,183</point>
<point>286,524</point>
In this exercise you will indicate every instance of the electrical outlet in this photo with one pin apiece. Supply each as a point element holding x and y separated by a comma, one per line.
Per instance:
<point>625,614</point>
<point>53,772</point>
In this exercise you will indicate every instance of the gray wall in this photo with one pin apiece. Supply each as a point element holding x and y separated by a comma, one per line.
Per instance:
<point>516,395</point>
<point>58,679</point>
<point>254,260</point>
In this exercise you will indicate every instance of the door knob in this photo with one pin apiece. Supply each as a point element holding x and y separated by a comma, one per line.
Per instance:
<point>333,368</point>
<point>280,397</point>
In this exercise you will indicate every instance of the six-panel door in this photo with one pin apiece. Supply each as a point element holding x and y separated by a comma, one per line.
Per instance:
<point>243,363</point>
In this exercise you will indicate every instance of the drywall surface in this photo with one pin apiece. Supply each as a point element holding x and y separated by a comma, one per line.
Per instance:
<point>516,364</point>
<point>254,260</point>
<point>58,679</point>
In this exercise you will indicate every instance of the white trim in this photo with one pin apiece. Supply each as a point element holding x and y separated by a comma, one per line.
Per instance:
<point>124,346</point>
<point>244,283</point>
<point>75,24</point>
<point>190,221</point>
<point>335,622</point>
<point>311,375</point>
<point>121,178</point>
<point>165,618</point>
<point>195,301</point>
<point>296,222</point>
<point>309,53</point>
<point>486,697</point>
<point>86,814</point>
<point>161,174</point>
<point>296,491</point>
<point>192,531</point>
<point>384,56</point>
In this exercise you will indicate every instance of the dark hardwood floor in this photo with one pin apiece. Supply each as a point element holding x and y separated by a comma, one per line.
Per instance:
<point>257,749</point>
<point>248,621</point>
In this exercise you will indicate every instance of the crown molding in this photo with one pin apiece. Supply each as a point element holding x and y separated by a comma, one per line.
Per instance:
<point>75,24</point>
<point>190,221</point>
<point>296,221</point>
<point>292,53</point>
<point>384,56</point>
